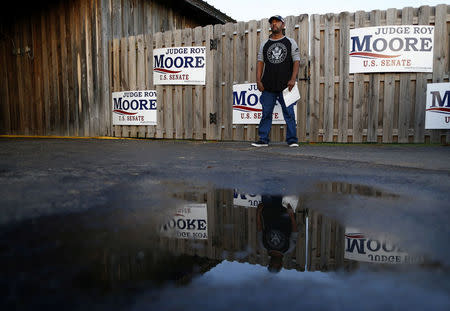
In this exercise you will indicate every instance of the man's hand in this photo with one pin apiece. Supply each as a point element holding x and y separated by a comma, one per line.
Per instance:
<point>260,86</point>
<point>291,84</point>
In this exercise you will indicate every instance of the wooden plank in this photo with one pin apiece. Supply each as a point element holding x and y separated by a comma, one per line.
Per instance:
<point>188,112</point>
<point>389,90</point>
<point>252,49</point>
<point>92,119</point>
<point>140,76</point>
<point>440,55</point>
<point>210,82</point>
<point>239,68</point>
<point>65,65</point>
<point>96,67</point>
<point>227,103</point>
<point>105,88</point>
<point>405,103</point>
<point>54,69</point>
<point>115,46</point>
<point>68,28</point>
<point>28,78</point>
<point>124,79</point>
<point>198,105</point>
<point>5,117</point>
<point>18,102</point>
<point>178,95</point>
<point>421,87</point>
<point>374,91</point>
<point>212,224</point>
<point>358,91</point>
<point>329,78</point>
<point>315,76</point>
<point>116,18</point>
<point>160,93</point>
<point>132,74</point>
<point>83,82</point>
<point>214,129</point>
<point>303,44</point>
<point>168,99</point>
<point>344,99</point>
<point>148,46</point>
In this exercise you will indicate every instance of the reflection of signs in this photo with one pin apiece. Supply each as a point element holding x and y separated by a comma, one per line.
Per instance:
<point>189,222</point>
<point>277,53</point>
<point>360,247</point>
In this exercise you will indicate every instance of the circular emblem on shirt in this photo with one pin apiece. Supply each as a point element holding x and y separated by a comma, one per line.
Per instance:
<point>277,53</point>
<point>275,239</point>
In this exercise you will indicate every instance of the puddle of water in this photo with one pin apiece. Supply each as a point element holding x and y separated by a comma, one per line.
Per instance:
<point>226,241</point>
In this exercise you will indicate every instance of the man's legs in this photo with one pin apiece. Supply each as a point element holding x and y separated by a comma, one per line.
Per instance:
<point>289,117</point>
<point>268,103</point>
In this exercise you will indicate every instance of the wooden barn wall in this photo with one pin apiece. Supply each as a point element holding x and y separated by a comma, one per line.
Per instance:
<point>54,63</point>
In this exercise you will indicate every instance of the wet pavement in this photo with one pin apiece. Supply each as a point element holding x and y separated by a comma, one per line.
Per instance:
<point>179,225</point>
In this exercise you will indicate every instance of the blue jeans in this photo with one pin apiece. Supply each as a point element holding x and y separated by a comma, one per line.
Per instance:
<point>268,100</point>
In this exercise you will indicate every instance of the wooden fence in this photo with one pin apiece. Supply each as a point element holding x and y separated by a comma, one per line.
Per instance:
<point>335,107</point>
<point>381,107</point>
<point>184,111</point>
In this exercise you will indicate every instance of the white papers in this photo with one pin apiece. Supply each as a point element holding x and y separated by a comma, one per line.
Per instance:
<point>292,96</point>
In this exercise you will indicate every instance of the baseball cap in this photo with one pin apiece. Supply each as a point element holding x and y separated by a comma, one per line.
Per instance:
<point>276,17</point>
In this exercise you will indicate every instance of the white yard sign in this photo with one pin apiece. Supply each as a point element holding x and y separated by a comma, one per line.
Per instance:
<point>247,108</point>
<point>406,48</point>
<point>179,65</point>
<point>360,247</point>
<point>190,221</point>
<point>437,113</point>
<point>134,108</point>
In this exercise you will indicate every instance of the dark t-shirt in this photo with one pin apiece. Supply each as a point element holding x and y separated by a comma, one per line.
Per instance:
<point>277,226</point>
<point>278,57</point>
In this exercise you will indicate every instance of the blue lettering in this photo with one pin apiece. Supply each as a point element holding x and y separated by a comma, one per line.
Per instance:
<point>249,101</point>
<point>199,61</point>
<point>118,103</point>
<point>134,104</point>
<point>188,61</point>
<point>440,102</point>
<point>239,100</point>
<point>152,104</point>
<point>159,62</point>
<point>354,243</point>
<point>358,46</point>
<point>178,62</point>
<point>126,105</point>
<point>168,62</point>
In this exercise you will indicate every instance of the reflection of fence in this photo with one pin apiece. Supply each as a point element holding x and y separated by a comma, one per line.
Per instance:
<point>232,233</point>
<point>325,243</point>
<point>335,105</point>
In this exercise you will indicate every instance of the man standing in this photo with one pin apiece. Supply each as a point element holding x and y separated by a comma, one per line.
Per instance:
<point>277,68</point>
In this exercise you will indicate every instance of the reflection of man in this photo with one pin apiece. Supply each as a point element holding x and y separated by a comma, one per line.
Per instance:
<point>277,68</point>
<point>277,230</point>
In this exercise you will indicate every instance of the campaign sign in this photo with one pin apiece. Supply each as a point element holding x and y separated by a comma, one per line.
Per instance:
<point>437,111</point>
<point>247,108</point>
<point>134,108</point>
<point>405,48</point>
<point>179,65</point>
<point>190,221</point>
<point>252,200</point>
<point>360,247</point>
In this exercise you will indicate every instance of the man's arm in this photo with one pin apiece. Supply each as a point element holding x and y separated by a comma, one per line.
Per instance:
<point>259,70</point>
